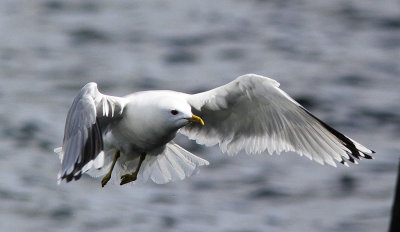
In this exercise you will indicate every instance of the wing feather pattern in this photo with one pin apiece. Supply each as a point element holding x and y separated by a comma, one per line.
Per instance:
<point>88,117</point>
<point>253,114</point>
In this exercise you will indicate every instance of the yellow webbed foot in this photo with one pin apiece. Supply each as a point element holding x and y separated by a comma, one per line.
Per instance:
<point>105,179</point>
<point>127,178</point>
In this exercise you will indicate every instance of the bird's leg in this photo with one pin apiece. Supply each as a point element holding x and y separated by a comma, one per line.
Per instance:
<point>107,177</point>
<point>132,177</point>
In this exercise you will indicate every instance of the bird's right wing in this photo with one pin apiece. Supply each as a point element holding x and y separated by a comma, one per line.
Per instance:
<point>88,117</point>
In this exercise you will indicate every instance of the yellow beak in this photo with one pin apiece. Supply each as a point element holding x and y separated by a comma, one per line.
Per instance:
<point>196,119</point>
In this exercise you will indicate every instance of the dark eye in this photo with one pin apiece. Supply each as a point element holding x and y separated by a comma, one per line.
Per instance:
<point>174,112</point>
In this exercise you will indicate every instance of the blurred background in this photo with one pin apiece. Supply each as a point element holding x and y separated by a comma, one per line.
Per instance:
<point>340,59</point>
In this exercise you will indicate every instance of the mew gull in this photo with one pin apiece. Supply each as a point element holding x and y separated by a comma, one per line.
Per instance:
<point>134,134</point>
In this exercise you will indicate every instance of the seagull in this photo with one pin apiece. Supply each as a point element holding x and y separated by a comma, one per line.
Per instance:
<point>134,134</point>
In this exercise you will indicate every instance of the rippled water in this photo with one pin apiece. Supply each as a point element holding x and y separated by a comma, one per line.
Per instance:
<point>338,58</point>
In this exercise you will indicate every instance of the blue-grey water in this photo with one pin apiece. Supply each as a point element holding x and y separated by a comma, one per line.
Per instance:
<point>339,58</point>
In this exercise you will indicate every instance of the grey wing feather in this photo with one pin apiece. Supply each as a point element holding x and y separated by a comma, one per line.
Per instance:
<point>253,114</point>
<point>88,117</point>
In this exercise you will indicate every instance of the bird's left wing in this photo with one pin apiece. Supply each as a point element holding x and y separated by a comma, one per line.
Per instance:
<point>253,114</point>
<point>88,117</point>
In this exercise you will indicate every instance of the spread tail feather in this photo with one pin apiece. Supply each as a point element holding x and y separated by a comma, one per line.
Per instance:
<point>175,163</point>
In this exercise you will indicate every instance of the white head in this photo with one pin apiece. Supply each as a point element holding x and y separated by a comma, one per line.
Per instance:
<point>160,113</point>
<point>176,113</point>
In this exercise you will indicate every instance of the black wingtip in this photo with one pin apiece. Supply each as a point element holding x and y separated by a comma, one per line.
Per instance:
<point>67,178</point>
<point>368,156</point>
<point>90,151</point>
<point>74,175</point>
<point>353,151</point>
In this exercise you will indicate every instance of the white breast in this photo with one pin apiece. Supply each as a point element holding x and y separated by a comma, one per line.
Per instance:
<point>142,126</point>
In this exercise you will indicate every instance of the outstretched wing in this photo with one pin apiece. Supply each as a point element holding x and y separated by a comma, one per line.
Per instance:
<point>90,114</point>
<point>253,114</point>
